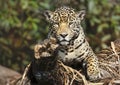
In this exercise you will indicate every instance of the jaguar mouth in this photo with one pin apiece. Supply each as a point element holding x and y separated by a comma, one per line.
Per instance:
<point>64,42</point>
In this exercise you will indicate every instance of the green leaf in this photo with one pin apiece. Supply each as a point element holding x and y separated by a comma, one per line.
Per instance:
<point>102,27</point>
<point>106,37</point>
<point>34,25</point>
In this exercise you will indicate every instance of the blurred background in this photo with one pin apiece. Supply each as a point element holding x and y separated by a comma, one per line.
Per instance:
<point>22,25</point>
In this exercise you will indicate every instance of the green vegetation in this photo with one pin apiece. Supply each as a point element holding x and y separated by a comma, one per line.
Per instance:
<point>22,25</point>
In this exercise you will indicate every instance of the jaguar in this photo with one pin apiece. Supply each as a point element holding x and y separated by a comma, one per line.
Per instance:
<point>74,48</point>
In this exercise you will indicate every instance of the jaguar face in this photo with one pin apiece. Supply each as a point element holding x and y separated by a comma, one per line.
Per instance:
<point>65,24</point>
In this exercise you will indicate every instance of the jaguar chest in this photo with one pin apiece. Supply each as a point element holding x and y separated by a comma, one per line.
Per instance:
<point>77,53</point>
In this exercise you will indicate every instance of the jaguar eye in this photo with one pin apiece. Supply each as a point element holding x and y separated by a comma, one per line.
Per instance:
<point>71,24</point>
<point>56,25</point>
<point>76,30</point>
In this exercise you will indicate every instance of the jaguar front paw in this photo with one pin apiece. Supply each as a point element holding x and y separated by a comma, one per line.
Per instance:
<point>93,74</point>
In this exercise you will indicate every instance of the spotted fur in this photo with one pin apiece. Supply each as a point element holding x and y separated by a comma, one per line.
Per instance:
<point>66,28</point>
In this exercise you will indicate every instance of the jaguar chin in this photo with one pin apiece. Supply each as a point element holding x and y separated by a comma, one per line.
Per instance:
<point>64,43</point>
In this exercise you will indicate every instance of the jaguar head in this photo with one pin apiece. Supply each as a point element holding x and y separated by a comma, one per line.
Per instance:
<point>65,23</point>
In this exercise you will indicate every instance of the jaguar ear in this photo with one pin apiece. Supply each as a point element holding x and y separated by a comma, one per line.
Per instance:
<point>48,15</point>
<point>81,14</point>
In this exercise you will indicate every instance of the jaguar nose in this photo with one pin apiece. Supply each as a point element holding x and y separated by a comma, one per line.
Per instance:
<point>63,35</point>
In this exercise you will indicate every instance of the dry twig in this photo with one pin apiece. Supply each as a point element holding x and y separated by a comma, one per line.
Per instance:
<point>76,76</point>
<point>24,74</point>
<point>118,62</point>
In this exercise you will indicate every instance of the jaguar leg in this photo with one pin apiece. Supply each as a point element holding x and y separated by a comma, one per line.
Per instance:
<point>92,69</point>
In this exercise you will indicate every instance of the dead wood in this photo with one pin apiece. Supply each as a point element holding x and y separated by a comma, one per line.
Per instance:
<point>61,74</point>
